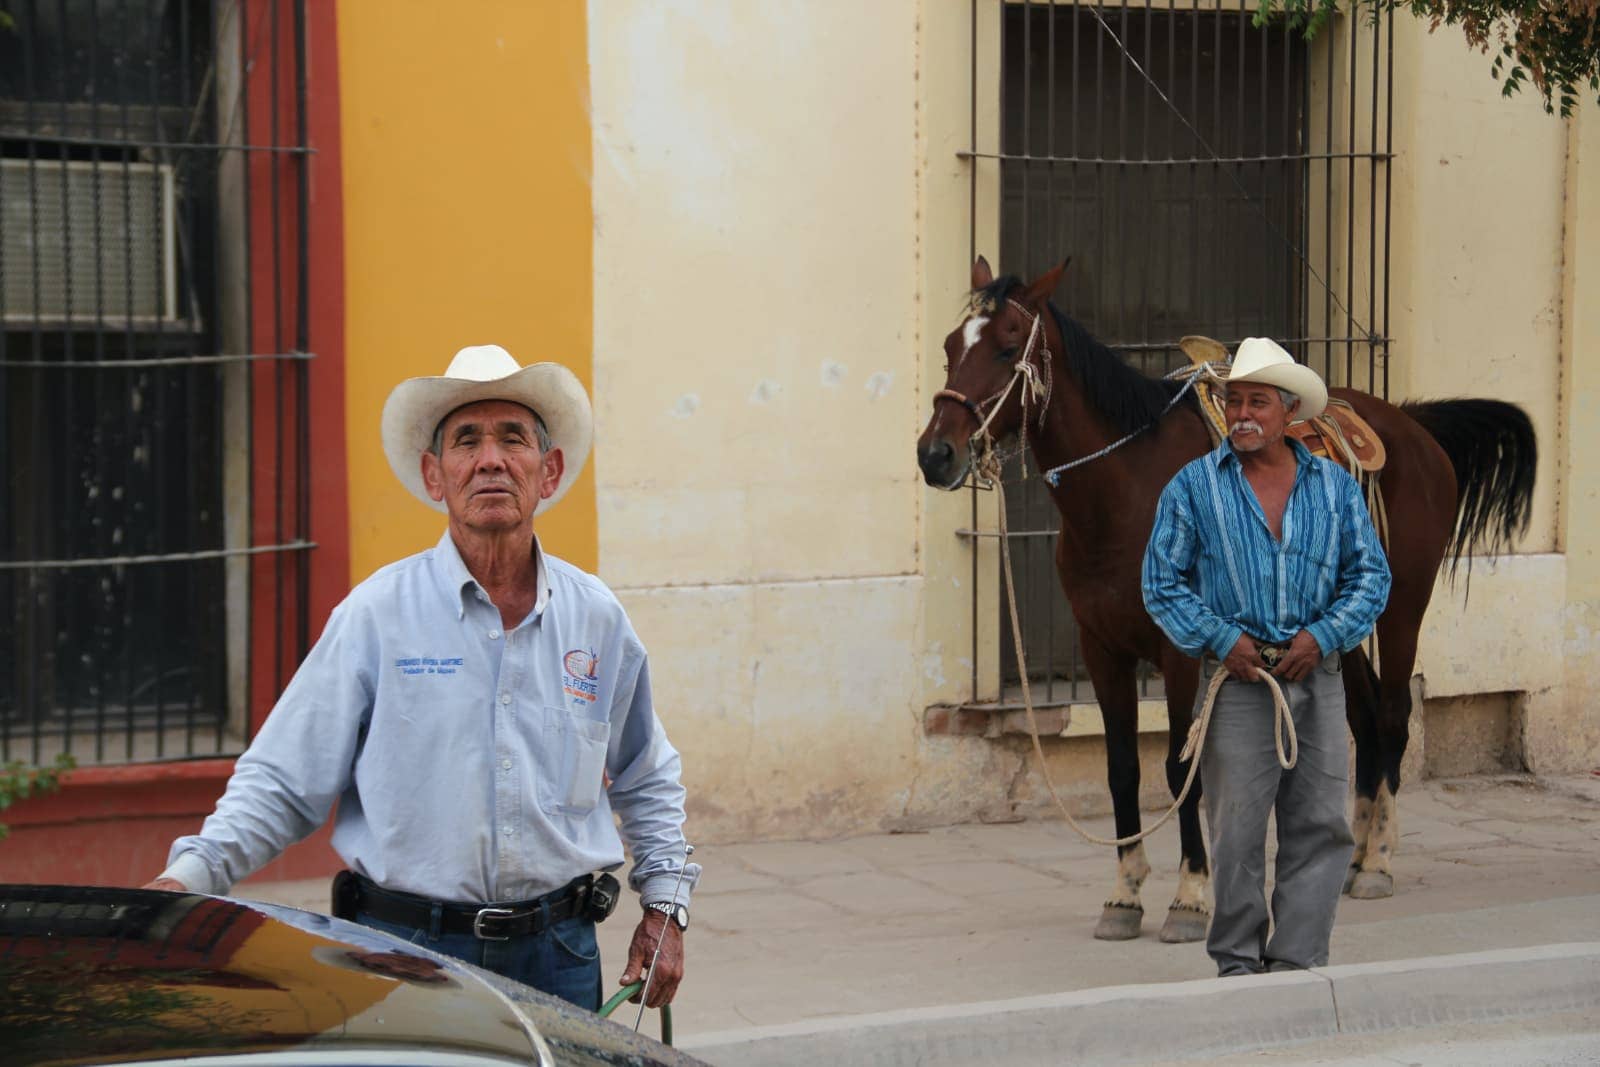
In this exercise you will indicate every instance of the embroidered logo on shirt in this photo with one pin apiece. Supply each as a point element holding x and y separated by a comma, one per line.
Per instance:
<point>579,670</point>
<point>428,665</point>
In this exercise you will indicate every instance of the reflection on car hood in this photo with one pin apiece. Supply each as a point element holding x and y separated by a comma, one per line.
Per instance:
<point>98,975</point>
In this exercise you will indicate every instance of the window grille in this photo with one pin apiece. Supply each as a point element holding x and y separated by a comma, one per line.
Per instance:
<point>1207,176</point>
<point>153,510</point>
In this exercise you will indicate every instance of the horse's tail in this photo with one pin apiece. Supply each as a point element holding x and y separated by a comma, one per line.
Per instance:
<point>1494,450</point>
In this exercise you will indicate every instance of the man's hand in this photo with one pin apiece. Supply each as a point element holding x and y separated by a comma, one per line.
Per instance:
<point>1302,658</point>
<point>1244,660</point>
<point>170,885</point>
<point>662,984</point>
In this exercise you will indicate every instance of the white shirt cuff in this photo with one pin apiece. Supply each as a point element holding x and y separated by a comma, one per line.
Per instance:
<point>192,871</point>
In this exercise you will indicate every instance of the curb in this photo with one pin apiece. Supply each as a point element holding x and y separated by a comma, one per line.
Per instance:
<point>1210,1017</point>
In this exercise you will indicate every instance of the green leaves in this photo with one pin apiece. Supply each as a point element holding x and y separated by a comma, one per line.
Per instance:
<point>1554,45</point>
<point>18,781</point>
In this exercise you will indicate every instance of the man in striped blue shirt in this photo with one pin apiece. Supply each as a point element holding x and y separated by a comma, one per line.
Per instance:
<point>1264,557</point>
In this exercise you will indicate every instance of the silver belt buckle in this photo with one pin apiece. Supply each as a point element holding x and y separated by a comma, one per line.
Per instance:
<point>490,913</point>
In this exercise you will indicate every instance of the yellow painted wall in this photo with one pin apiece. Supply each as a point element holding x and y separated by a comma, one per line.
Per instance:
<point>467,221</point>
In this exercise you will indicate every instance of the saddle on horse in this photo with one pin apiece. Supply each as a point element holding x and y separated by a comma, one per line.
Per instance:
<point>1338,433</point>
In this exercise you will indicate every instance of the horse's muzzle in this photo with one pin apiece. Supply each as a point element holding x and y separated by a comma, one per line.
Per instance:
<point>941,467</point>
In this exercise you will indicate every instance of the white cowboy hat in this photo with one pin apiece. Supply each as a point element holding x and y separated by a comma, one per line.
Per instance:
<point>1260,359</point>
<point>486,372</point>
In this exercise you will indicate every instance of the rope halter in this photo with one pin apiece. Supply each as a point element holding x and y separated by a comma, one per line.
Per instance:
<point>1036,389</point>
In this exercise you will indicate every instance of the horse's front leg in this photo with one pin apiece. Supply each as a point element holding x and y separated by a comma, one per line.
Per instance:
<point>1114,687</point>
<point>1190,912</point>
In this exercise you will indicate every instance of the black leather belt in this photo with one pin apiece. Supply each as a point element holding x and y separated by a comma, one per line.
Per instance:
<point>488,922</point>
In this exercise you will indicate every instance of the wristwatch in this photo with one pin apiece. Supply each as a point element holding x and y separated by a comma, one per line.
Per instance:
<point>678,913</point>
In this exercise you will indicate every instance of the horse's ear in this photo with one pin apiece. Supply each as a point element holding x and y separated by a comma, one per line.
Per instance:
<point>982,276</point>
<point>1045,284</point>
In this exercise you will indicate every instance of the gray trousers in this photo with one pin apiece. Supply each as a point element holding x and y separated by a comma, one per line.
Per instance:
<point>1243,784</point>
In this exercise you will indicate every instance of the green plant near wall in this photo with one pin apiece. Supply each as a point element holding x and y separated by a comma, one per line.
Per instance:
<point>1554,44</point>
<point>18,781</point>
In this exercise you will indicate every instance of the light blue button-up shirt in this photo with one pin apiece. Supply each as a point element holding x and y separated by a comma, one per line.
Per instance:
<point>1214,571</point>
<point>468,761</point>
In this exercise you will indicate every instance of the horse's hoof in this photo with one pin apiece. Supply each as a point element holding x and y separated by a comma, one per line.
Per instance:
<point>1372,885</point>
<point>1350,878</point>
<point>1183,925</point>
<point>1119,922</point>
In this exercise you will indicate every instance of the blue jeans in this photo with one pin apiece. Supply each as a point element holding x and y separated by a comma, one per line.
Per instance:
<point>563,961</point>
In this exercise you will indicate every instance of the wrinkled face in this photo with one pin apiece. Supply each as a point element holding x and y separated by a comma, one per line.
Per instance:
<point>1256,416</point>
<point>490,472</point>
<point>980,358</point>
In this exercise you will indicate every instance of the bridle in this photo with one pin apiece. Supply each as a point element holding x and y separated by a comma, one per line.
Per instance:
<point>1037,388</point>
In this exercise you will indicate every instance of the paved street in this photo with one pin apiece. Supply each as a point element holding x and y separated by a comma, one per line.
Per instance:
<point>1566,1039</point>
<point>785,932</point>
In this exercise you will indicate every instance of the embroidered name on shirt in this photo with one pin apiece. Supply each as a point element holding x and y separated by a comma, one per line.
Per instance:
<point>579,674</point>
<point>428,665</point>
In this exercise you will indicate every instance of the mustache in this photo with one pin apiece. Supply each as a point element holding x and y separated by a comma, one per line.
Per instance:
<point>1246,426</point>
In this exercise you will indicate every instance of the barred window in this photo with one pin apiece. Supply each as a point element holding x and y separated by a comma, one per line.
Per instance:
<point>152,372</point>
<point>1208,176</point>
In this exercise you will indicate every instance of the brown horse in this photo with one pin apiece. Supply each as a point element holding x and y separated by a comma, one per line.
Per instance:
<point>1459,477</point>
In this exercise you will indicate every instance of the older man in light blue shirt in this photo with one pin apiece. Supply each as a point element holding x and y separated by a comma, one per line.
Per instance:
<point>479,711</point>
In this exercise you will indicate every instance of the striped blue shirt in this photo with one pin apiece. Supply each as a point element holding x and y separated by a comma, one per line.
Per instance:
<point>1213,570</point>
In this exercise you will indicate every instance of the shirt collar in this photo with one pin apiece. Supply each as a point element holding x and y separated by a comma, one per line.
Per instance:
<point>459,580</point>
<point>1224,452</point>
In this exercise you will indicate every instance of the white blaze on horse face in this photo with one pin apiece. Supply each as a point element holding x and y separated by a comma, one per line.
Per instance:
<point>971,333</point>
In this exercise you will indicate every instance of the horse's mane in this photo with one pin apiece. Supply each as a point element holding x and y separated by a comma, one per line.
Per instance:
<point>1129,400</point>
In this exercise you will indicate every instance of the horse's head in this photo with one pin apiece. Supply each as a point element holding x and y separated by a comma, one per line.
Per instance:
<point>997,367</point>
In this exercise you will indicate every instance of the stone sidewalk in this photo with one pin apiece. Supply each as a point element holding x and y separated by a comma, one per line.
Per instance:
<point>786,932</point>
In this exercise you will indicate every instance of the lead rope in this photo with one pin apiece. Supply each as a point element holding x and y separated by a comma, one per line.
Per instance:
<point>1283,722</point>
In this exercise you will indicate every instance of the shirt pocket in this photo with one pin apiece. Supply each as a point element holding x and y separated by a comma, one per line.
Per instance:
<point>574,761</point>
<point>1316,545</point>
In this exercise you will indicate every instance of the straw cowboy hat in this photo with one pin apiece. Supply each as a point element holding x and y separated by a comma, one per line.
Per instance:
<point>486,372</point>
<point>1262,360</point>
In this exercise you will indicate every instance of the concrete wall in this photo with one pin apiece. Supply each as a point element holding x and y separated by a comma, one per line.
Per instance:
<point>1494,290</point>
<point>1565,731</point>
<point>760,344</point>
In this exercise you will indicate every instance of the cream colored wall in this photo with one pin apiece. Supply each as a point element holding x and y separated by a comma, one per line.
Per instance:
<point>1477,260</point>
<point>1493,286</point>
<point>759,349</point>
<point>1564,733</point>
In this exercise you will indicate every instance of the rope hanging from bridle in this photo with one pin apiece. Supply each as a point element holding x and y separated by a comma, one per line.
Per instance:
<point>987,469</point>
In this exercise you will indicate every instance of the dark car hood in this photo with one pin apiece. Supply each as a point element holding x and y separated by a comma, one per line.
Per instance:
<point>99,975</point>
